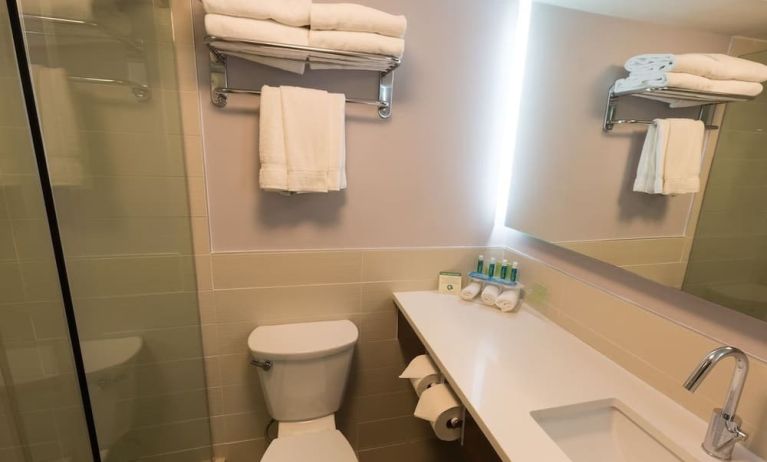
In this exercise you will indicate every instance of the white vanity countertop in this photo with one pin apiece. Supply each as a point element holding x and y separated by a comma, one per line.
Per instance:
<point>505,365</point>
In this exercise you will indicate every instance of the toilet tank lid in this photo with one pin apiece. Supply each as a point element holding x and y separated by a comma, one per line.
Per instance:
<point>302,341</point>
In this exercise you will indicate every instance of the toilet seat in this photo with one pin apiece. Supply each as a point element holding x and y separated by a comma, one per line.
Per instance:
<point>322,446</point>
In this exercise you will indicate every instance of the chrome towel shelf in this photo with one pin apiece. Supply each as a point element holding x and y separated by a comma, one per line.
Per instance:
<point>222,48</point>
<point>669,95</point>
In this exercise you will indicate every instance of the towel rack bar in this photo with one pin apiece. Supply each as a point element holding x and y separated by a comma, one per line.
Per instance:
<point>241,91</point>
<point>141,91</point>
<point>650,122</point>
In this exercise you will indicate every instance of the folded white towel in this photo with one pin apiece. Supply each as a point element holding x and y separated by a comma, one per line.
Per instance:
<point>490,294</point>
<point>671,157</point>
<point>470,291</point>
<point>290,12</point>
<point>687,81</point>
<point>260,31</point>
<point>711,65</point>
<point>508,300</point>
<point>302,141</point>
<point>363,42</point>
<point>351,17</point>
<point>59,122</point>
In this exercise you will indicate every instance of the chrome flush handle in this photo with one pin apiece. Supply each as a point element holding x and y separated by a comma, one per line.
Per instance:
<point>261,364</point>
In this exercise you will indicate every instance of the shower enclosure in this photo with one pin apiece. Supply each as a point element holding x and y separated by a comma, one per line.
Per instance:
<point>100,344</point>
<point>728,261</point>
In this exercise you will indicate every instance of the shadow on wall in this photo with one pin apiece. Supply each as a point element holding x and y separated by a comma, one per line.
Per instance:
<point>277,211</point>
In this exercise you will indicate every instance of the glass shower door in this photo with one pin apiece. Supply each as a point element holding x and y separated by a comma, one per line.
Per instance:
<point>41,411</point>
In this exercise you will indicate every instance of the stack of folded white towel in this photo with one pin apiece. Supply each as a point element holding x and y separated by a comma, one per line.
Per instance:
<point>672,154</point>
<point>338,26</point>
<point>708,72</point>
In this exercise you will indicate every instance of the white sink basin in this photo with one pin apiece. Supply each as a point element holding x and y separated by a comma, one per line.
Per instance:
<point>606,431</point>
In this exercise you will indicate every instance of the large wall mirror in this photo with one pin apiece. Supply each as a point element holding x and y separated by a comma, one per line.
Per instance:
<point>573,182</point>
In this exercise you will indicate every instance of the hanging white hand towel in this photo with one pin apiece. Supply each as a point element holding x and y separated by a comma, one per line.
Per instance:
<point>711,65</point>
<point>290,12</point>
<point>302,140</point>
<point>671,157</point>
<point>351,17</point>
<point>260,31</point>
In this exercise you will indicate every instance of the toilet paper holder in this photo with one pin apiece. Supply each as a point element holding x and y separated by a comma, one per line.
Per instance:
<point>455,422</point>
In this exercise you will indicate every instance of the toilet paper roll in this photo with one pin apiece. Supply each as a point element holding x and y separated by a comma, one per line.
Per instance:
<point>422,373</point>
<point>439,406</point>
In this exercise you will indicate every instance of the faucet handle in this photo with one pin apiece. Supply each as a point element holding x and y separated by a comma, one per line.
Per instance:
<point>737,435</point>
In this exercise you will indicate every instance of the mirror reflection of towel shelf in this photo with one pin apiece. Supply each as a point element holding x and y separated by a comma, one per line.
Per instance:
<point>222,48</point>
<point>672,96</point>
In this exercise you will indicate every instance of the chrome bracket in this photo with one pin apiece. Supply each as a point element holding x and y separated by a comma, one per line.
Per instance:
<point>261,364</point>
<point>218,79</point>
<point>385,94</point>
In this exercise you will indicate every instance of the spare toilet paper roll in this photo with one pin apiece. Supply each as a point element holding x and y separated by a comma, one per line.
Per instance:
<point>508,300</point>
<point>422,373</point>
<point>470,291</point>
<point>439,406</point>
<point>490,294</point>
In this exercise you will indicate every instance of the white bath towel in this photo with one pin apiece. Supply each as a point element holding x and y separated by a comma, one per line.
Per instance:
<point>363,42</point>
<point>671,157</point>
<point>637,81</point>
<point>711,65</point>
<point>290,12</point>
<point>490,294</point>
<point>302,141</point>
<point>470,291</point>
<point>351,17</point>
<point>508,300</point>
<point>58,118</point>
<point>260,31</point>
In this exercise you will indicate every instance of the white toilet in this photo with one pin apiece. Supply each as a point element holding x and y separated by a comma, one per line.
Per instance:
<point>303,369</point>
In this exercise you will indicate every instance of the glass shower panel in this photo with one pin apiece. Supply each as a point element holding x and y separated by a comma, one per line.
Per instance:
<point>728,262</point>
<point>41,412</point>
<point>107,95</point>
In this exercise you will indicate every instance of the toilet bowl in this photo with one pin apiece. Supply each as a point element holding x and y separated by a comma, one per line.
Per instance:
<point>303,371</point>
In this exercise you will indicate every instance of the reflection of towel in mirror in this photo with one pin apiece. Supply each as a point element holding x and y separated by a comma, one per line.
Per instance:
<point>356,18</point>
<point>104,13</point>
<point>61,135</point>
<point>711,65</point>
<point>671,157</point>
<point>687,82</point>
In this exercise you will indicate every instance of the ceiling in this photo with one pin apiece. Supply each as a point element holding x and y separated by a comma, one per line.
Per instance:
<point>732,17</point>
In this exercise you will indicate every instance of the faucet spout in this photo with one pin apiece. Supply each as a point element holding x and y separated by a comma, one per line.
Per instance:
<point>724,428</point>
<point>738,378</point>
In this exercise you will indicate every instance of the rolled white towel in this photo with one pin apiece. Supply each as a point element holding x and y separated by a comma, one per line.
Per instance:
<point>290,12</point>
<point>362,42</point>
<point>490,294</point>
<point>711,65</point>
<point>351,17</point>
<point>508,300</point>
<point>639,81</point>
<point>470,291</point>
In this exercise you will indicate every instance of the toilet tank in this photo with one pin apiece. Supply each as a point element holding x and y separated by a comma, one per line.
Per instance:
<point>310,367</point>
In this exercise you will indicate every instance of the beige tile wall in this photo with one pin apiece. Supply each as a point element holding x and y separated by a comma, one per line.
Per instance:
<point>257,288</point>
<point>660,352</point>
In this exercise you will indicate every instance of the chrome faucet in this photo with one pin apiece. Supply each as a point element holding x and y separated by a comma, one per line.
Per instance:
<point>724,428</point>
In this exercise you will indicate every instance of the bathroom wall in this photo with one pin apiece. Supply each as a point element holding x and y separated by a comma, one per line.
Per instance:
<point>425,177</point>
<point>582,298</point>
<point>252,260</point>
<point>572,182</point>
